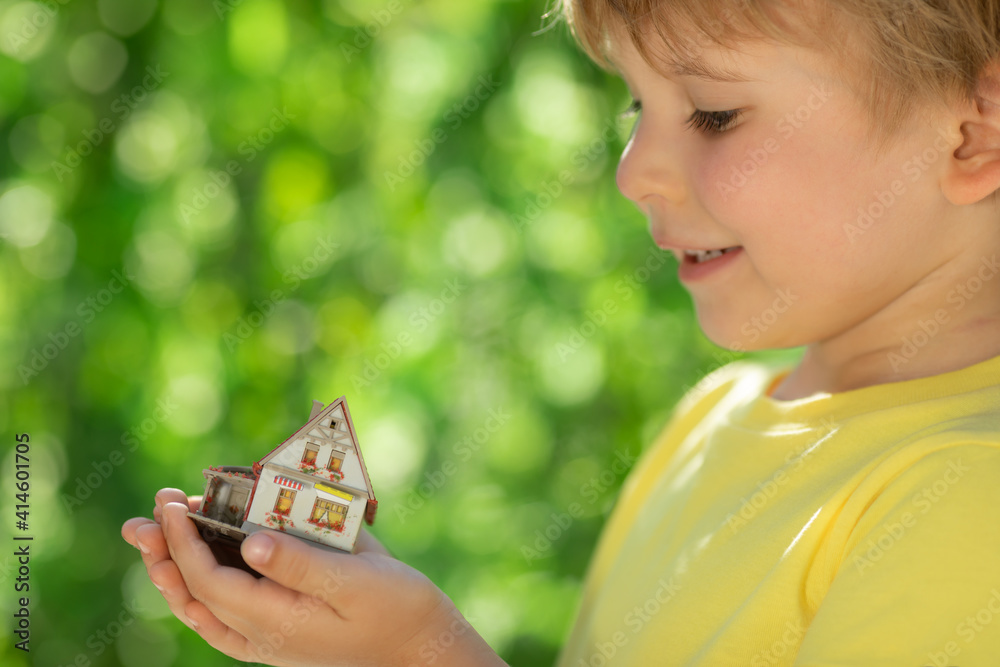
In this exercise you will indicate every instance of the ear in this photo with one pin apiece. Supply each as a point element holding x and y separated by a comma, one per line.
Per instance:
<point>972,172</point>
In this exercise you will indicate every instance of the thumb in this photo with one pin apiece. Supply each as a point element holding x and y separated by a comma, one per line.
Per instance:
<point>295,564</point>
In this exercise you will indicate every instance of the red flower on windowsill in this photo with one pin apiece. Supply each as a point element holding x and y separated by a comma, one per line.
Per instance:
<point>278,521</point>
<point>219,470</point>
<point>326,525</point>
<point>308,467</point>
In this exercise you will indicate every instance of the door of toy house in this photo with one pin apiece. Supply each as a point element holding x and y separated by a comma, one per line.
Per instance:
<point>226,502</point>
<point>236,506</point>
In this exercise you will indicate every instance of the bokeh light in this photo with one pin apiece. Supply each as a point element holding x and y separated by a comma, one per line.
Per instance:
<point>212,213</point>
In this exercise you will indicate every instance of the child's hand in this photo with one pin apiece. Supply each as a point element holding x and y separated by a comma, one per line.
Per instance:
<point>313,607</point>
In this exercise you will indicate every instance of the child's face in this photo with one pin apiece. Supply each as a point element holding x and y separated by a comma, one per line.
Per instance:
<point>828,235</point>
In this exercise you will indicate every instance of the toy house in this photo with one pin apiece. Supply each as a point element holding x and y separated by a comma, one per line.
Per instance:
<point>314,485</point>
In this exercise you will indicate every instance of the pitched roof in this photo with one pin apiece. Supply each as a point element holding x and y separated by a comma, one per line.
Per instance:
<point>318,427</point>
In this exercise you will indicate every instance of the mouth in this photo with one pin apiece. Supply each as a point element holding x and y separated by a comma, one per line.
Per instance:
<point>703,256</point>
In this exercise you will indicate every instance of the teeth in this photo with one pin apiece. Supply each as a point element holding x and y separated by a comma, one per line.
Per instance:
<point>705,255</point>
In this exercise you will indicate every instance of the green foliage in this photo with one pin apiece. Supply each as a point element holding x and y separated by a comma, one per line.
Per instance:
<point>215,211</point>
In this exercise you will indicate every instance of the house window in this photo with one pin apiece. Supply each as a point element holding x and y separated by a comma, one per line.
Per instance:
<point>328,512</point>
<point>336,461</point>
<point>309,456</point>
<point>284,503</point>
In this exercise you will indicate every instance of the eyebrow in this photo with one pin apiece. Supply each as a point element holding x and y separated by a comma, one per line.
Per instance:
<point>702,70</point>
<point>695,69</point>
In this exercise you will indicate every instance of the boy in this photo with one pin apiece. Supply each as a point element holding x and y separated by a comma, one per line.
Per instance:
<point>824,172</point>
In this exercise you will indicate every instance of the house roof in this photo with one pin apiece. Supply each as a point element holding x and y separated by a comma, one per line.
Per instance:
<point>318,427</point>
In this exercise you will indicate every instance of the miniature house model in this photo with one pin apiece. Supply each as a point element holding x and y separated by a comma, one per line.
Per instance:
<point>314,485</point>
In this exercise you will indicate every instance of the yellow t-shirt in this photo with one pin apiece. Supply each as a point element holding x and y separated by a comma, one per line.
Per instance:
<point>859,528</point>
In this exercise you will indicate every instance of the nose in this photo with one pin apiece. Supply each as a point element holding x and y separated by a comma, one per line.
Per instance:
<point>649,168</point>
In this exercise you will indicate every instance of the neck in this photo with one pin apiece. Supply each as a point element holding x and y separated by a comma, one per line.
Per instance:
<point>949,322</point>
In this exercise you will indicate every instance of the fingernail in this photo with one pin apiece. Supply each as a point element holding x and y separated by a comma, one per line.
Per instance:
<point>194,625</point>
<point>158,587</point>
<point>258,548</point>
<point>142,547</point>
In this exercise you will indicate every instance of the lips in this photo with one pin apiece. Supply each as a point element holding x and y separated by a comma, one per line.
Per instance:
<point>684,251</point>
<point>714,265</point>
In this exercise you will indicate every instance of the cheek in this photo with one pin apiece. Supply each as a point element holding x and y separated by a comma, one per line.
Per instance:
<point>784,192</point>
<point>746,175</point>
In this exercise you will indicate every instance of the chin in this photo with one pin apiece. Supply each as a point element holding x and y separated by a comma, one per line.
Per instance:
<point>748,329</point>
<point>741,336</point>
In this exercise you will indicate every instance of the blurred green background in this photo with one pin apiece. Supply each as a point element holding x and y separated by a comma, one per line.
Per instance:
<point>214,211</point>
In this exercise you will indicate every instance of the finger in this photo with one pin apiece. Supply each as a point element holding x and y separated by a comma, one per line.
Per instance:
<point>162,571</point>
<point>336,578</point>
<point>129,528</point>
<point>225,591</point>
<point>219,635</point>
<point>168,580</point>
<point>150,541</point>
<point>169,495</point>
<point>148,537</point>
<point>238,600</point>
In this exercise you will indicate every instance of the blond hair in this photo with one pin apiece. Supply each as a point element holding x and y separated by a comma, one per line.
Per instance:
<point>894,53</point>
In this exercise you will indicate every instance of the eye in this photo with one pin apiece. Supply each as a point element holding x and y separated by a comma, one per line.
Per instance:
<point>712,122</point>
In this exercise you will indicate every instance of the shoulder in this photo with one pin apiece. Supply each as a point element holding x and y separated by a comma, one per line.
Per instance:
<point>922,556</point>
<point>706,403</point>
<point>923,472</point>
<point>941,492</point>
<point>722,389</point>
<point>703,405</point>
<point>944,448</point>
